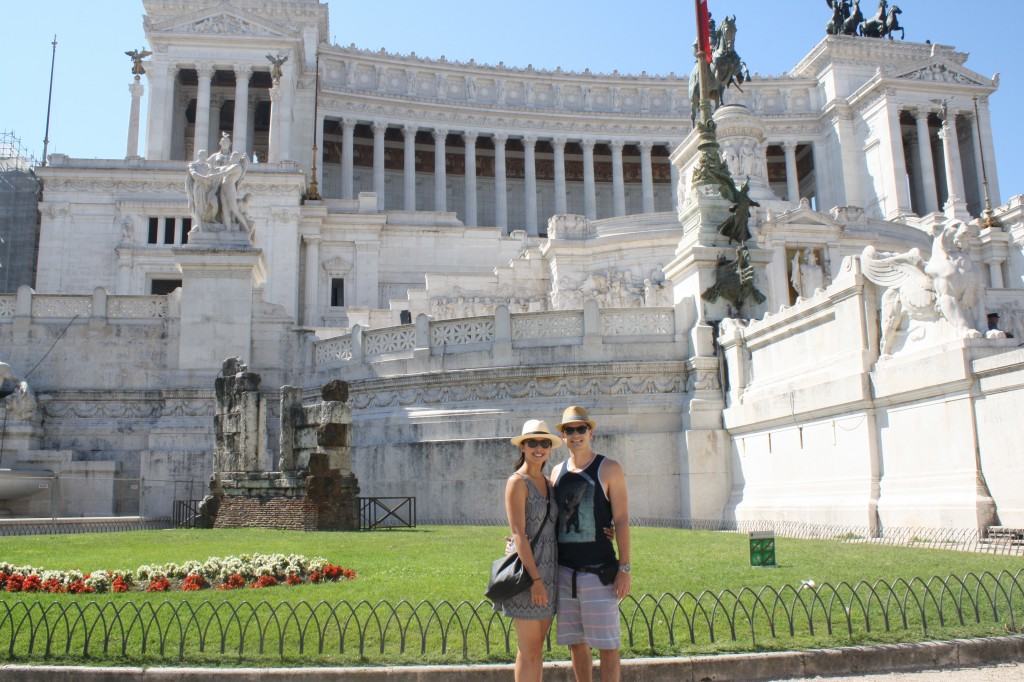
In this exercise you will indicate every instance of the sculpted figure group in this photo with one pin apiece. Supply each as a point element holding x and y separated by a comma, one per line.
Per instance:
<point>948,286</point>
<point>847,19</point>
<point>212,189</point>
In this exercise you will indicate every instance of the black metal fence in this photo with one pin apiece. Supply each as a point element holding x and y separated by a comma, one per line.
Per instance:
<point>112,524</point>
<point>387,512</point>
<point>76,628</point>
<point>185,513</point>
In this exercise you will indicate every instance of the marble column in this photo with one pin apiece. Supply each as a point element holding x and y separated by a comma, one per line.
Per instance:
<point>530,184</point>
<point>500,184</point>
<point>311,311</point>
<point>899,188</point>
<point>792,180</point>
<point>319,142</point>
<point>822,184</point>
<point>201,132</point>
<point>409,167</point>
<point>674,175</point>
<point>135,88</point>
<point>348,127</point>
<point>469,140</point>
<point>991,169</point>
<point>561,201</point>
<point>286,118</point>
<point>240,126</point>
<point>440,170</point>
<point>850,155</point>
<point>925,163</point>
<point>955,206</point>
<point>647,176</point>
<point>379,128</point>
<point>589,188</point>
<point>979,176</point>
<point>160,121</point>
<point>618,183</point>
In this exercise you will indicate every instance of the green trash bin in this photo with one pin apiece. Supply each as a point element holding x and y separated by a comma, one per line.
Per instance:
<point>762,548</point>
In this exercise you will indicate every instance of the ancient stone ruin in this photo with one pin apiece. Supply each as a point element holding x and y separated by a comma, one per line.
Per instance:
<point>311,488</point>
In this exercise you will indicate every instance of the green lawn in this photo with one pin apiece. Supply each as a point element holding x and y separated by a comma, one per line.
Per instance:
<point>447,567</point>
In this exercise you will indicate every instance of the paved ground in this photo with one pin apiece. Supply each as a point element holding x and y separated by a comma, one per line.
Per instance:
<point>999,673</point>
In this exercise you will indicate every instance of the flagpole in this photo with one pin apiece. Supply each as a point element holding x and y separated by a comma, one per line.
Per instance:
<point>49,99</point>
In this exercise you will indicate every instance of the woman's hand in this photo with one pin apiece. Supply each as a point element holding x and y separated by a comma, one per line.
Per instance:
<point>538,593</point>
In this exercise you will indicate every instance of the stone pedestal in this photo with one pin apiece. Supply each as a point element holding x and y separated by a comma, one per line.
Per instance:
<point>216,300</point>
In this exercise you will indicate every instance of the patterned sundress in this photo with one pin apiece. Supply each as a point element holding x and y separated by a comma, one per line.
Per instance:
<point>545,553</point>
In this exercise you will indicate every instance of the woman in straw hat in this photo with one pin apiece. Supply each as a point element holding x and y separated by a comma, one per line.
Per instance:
<point>532,514</point>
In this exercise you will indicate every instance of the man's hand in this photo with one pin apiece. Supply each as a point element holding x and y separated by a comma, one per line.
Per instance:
<point>623,585</point>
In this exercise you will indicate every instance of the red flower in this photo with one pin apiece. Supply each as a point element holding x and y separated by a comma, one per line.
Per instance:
<point>3,579</point>
<point>118,584</point>
<point>315,576</point>
<point>14,582</point>
<point>263,581</point>
<point>158,585</point>
<point>193,582</point>
<point>32,583</point>
<point>335,572</point>
<point>234,581</point>
<point>293,579</point>
<point>78,587</point>
<point>52,585</point>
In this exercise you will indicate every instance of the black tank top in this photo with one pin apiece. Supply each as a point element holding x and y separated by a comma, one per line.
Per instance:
<point>583,513</point>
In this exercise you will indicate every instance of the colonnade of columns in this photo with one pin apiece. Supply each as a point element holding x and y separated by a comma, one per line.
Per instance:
<point>167,107</point>
<point>499,140</point>
<point>934,178</point>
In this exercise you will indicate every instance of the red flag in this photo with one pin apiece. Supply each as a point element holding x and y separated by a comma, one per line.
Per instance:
<point>704,29</point>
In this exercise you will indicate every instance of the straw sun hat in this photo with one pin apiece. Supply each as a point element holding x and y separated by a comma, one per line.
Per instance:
<point>575,413</point>
<point>537,428</point>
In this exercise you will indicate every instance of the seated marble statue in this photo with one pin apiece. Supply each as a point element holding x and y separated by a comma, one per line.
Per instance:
<point>212,189</point>
<point>16,398</point>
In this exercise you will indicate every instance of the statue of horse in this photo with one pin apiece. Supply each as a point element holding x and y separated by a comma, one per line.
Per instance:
<point>892,23</point>
<point>840,13</point>
<point>852,23</point>
<point>726,68</point>
<point>875,26</point>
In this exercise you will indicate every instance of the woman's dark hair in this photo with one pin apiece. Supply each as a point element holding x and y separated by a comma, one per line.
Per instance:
<point>522,459</point>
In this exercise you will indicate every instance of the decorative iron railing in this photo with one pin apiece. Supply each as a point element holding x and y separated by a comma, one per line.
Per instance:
<point>185,513</point>
<point>387,512</point>
<point>75,628</point>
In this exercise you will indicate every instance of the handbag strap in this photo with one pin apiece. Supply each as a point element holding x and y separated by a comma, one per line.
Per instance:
<point>547,513</point>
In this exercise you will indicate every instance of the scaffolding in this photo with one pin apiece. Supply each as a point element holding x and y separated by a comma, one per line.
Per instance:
<point>19,214</point>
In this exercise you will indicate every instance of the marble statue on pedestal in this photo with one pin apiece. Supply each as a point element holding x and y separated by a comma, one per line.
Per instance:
<point>212,188</point>
<point>16,397</point>
<point>946,288</point>
<point>806,274</point>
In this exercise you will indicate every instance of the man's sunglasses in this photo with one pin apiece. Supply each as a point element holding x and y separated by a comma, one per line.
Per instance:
<point>534,443</point>
<point>570,430</point>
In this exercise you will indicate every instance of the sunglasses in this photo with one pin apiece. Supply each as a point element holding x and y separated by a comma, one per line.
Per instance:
<point>570,430</point>
<point>534,443</point>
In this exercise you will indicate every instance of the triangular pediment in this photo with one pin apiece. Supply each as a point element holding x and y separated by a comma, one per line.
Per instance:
<point>223,21</point>
<point>804,215</point>
<point>944,72</point>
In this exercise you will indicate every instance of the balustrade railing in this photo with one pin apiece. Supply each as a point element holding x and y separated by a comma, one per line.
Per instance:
<point>66,306</point>
<point>556,327</point>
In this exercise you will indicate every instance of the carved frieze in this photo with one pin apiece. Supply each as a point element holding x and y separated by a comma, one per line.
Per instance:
<point>939,73</point>
<point>518,388</point>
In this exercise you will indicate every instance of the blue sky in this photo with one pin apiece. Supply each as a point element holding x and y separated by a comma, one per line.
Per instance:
<point>90,101</point>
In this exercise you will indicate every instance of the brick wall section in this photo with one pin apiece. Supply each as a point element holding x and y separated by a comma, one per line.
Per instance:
<point>277,512</point>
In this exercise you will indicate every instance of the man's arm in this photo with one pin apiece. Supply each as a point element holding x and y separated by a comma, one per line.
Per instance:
<point>615,479</point>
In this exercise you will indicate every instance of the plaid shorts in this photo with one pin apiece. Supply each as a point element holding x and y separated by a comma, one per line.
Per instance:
<point>592,617</point>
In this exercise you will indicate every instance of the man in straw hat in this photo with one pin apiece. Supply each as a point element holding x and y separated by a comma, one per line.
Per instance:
<point>591,494</point>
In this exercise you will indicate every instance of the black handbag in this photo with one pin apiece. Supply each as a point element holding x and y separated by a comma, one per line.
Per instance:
<point>508,577</point>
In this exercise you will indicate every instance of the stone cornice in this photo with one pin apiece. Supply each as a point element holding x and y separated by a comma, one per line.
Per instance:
<point>872,51</point>
<point>100,175</point>
<point>165,15</point>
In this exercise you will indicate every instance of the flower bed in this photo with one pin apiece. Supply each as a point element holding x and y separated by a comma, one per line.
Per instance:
<point>223,573</point>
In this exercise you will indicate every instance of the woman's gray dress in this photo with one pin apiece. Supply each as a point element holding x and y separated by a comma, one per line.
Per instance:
<point>545,553</point>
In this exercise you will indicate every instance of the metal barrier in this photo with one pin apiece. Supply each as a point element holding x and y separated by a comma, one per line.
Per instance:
<point>185,513</point>
<point>73,628</point>
<point>387,512</point>
<point>11,527</point>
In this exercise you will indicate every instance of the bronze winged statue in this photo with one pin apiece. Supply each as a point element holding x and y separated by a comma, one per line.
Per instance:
<point>137,56</point>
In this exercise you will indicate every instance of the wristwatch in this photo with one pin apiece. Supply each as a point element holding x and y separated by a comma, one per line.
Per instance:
<point>624,568</point>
